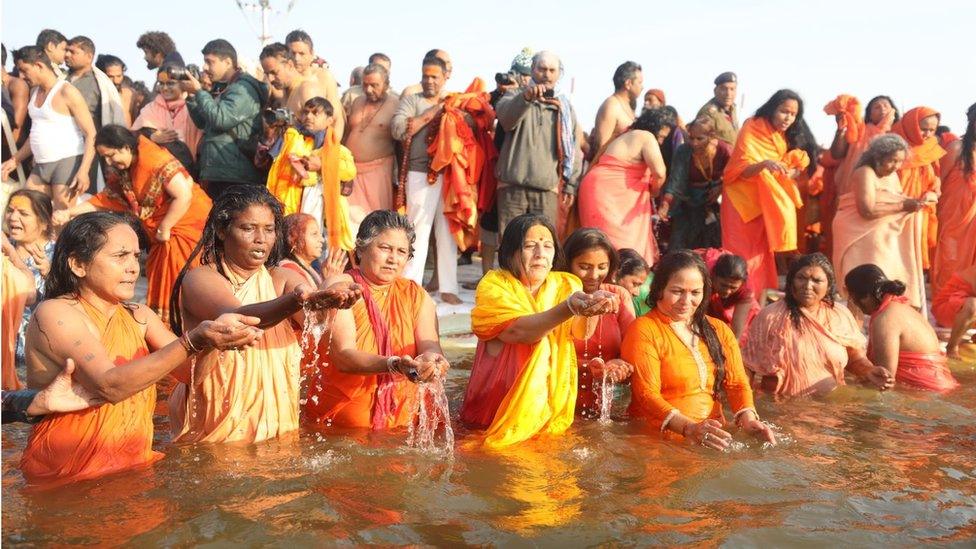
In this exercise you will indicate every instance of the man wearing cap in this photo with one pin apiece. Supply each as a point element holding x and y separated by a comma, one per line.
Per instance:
<point>618,111</point>
<point>721,108</point>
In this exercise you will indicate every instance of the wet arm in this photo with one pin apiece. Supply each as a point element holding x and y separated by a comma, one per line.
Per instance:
<point>206,296</point>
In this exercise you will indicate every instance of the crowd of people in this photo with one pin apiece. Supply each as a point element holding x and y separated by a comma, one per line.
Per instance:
<point>288,231</point>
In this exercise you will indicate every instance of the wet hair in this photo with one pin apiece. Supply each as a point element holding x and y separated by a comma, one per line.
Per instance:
<point>278,51</point>
<point>880,149</point>
<point>378,222</point>
<point>210,248</point>
<point>42,206</point>
<point>875,99</point>
<point>49,36</point>
<point>294,227</point>
<point>514,236</point>
<point>115,136</point>
<point>84,43</point>
<point>298,35</point>
<point>31,55</point>
<point>700,326</point>
<point>626,72</point>
<point>379,57</point>
<point>810,260</point>
<point>374,68</point>
<point>652,120</point>
<point>631,263</point>
<point>318,103</point>
<point>432,61</point>
<point>220,48</point>
<point>156,42</point>
<point>969,141</point>
<point>732,267</point>
<point>870,281</point>
<point>106,60</point>
<point>798,135</point>
<point>81,239</point>
<point>585,239</point>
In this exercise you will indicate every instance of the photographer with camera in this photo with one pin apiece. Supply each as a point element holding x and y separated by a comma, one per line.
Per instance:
<point>166,119</point>
<point>230,117</point>
<point>540,158</point>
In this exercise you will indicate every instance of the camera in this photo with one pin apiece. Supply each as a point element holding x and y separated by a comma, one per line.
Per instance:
<point>549,94</point>
<point>278,117</point>
<point>504,79</point>
<point>174,72</point>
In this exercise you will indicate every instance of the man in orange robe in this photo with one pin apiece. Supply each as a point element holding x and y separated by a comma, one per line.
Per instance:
<point>759,211</point>
<point>145,191</point>
<point>918,174</point>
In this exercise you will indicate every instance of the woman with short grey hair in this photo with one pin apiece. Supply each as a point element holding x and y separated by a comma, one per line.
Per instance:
<point>876,223</point>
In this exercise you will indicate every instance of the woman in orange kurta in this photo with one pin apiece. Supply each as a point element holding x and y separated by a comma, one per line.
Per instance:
<point>919,173</point>
<point>146,180</point>
<point>366,374</point>
<point>591,257</point>
<point>524,378</point>
<point>760,196</point>
<point>957,208</point>
<point>86,319</point>
<point>803,343</point>
<point>616,195</point>
<point>684,361</point>
<point>251,394</point>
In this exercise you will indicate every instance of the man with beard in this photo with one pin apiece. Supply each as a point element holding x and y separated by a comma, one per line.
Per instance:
<point>114,68</point>
<point>618,111</point>
<point>280,71</point>
<point>368,137</point>
<point>158,48</point>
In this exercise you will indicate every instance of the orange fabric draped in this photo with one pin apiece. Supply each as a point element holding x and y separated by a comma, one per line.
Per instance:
<point>94,442</point>
<point>667,376</point>
<point>918,174</point>
<point>141,190</point>
<point>928,371</point>
<point>850,110</point>
<point>809,358</point>
<point>284,181</point>
<point>950,298</point>
<point>617,198</point>
<point>248,395</point>
<point>957,226</point>
<point>466,158</point>
<point>771,199</point>
<point>348,400</point>
<point>17,287</point>
<point>335,206</point>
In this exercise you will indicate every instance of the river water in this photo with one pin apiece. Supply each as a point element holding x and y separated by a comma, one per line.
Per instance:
<point>856,467</point>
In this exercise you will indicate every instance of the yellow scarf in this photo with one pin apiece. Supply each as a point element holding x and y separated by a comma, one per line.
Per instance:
<point>543,397</point>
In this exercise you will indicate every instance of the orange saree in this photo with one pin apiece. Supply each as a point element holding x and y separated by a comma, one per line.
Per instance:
<point>17,287</point>
<point>141,191</point>
<point>759,212</point>
<point>918,174</point>
<point>381,401</point>
<point>668,378</point>
<point>466,158</point>
<point>105,439</point>
<point>957,226</point>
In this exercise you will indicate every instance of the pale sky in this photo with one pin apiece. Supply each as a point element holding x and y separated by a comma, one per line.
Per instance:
<point>920,53</point>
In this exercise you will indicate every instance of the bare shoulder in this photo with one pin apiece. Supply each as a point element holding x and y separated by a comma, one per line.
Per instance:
<point>56,311</point>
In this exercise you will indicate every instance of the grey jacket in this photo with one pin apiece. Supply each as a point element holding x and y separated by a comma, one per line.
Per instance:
<point>529,155</point>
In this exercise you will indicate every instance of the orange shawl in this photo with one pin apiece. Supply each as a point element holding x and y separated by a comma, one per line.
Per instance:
<point>957,226</point>
<point>774,197</point>
<point>466,157</point>
<point>105,439</point>
<point>850,110</point>
<point>918,174</point>
<point>17,286</point>
<point>349,400</point>
<point>141,190</point>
